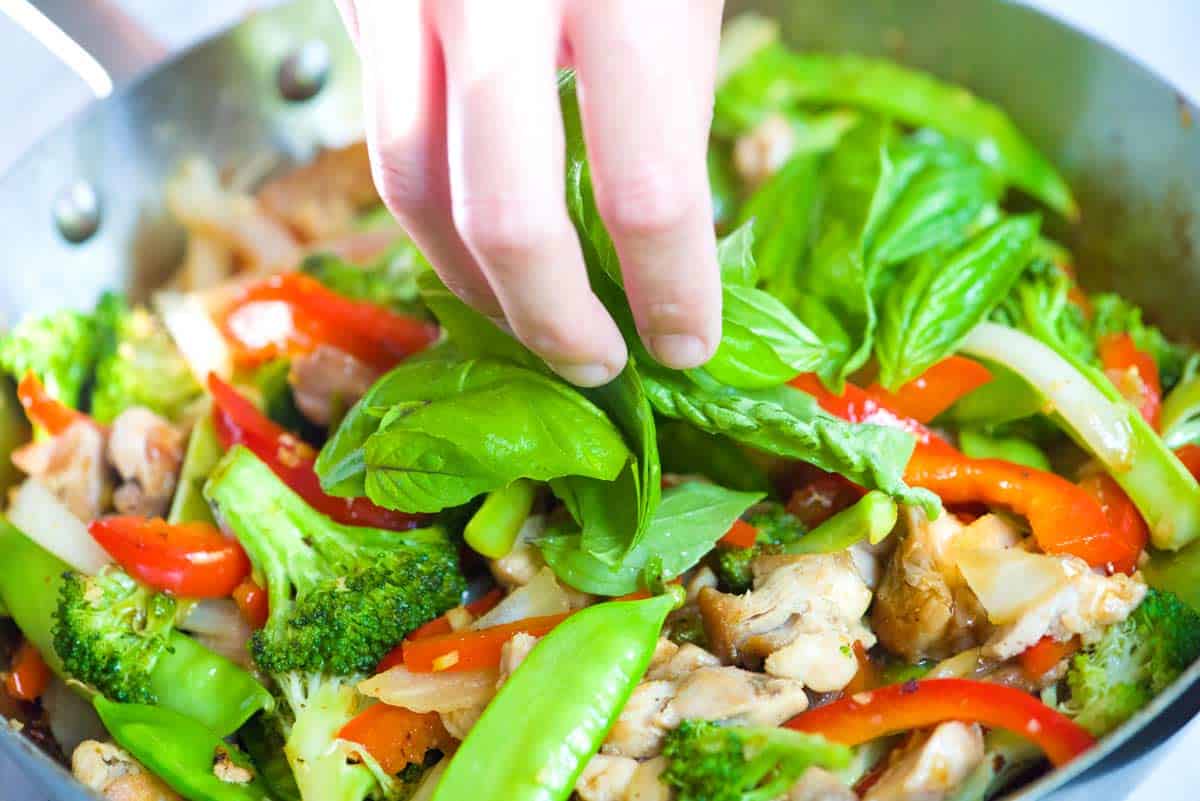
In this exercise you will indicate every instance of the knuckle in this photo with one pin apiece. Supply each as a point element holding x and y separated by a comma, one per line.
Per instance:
<point>648,200</point>
<point>552,335</point>
<point>506,232</point>
<point>404,185</point>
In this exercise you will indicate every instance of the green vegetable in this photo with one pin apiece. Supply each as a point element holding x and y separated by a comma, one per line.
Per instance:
<point>687,450</point>
<point>340,596</point>
<point>573,709</point>
<point>1040,305</point>
<point>263,743</point>
<point>60,348</point>
<point>689,520</point>
<point>722,184</point>
<point>30,584</point>
<point>119,638</point>
<point>493,529</point>
<point>138,364</point>
<point>777,79</point>
<point>1133,662</point>
<point>871,519</point>
<point>789,423</point>
<point>979,445</point>
<point>784,213</point>
<point>436,433</point>
<point>203,453</point>
<point>1005,398</point>
<point>1181,414</point>
<point>278,402</point>
<point>14,432</point>
<point>710,762</point>
<point>776,530</point>
<point>935,302</point>
<point>179,751</point>
<point>1112,314</point>
<point>389,281</point>
<point>1007,758</point>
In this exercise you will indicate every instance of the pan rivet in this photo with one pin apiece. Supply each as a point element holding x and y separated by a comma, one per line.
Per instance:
<point>303,73</point>
<point>77,212</point>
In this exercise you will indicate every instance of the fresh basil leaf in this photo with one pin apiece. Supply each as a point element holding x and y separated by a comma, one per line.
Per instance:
<point>789,423</point>
<point>473,334</point>
<point>447,431</point>
<point>735,256</point>
<point>763,344</point>
<point>690,451</point>
<point>936,302</point>
<point>784,211</point>
<point>689,521</point>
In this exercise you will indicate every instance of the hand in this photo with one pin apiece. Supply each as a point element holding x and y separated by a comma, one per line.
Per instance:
<point>466,144</point>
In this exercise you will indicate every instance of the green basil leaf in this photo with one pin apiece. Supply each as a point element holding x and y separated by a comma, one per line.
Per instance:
<point>775,79</point>
<point>690,451</point>
<point>735,255</point>
<point>447,431</point>
<point>689,521</point>
<point>789,423</point>
<point>473,334</point>
<point>936,303</point>
<point>784,213</point>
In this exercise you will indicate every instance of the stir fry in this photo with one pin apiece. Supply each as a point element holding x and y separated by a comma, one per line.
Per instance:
<point>306,527</point>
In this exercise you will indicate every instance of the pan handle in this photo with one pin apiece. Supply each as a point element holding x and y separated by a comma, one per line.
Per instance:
<point>96,39</point>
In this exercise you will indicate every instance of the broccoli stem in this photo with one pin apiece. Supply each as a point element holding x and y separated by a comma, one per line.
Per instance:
<point>187,678</point>
<point>203,453</point>
<point>29,586</point>
<point>494,528</point>
<point>319,762</point>
<point>1181,414</point>
<point>872,518</point>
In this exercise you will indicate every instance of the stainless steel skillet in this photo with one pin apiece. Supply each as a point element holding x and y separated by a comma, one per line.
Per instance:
<point>1124,138</point>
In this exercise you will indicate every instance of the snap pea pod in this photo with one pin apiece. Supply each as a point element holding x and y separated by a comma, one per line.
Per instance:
<point>494,528</point>
<point>776,78</point>
<point>187,677</point>
<point>979,445</point>
<point>539,732</point>
<point>872,518</point>
<point>203,453</point>
<point>180,751</point>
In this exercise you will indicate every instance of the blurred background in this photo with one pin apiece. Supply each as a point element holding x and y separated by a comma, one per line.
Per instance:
<point>60,54</point>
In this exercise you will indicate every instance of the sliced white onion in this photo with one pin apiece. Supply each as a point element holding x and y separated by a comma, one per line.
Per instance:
<point>72,717</point>
<point>446,691</point>
<point>543,595</point>
<point>196,335</point>
<point>1010,581</point>
<point>1101,424</point>
<point>962,665</point>
<point>219,626</point>
<point>47,521</point>
<point>430,781</point>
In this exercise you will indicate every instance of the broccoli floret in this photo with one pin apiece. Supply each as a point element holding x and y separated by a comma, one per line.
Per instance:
<point>390,280</point>
<point>776,529</point>
<point>709,762</point>
<point>138,364</point>
<point>60,348</point>
<point>110,632</point>
<point>1132,662</point>
<point>340,597</point>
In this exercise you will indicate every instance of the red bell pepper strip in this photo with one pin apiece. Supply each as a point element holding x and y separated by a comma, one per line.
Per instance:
<point>238,422</point>
<point>935,390</point>
<point>252,602</point>
<point>740,535</point>
<point>291,313</point>
<point>1125,522</point>
<point>1065,518</point>
<point>1043,655</point>
<point>1134,373</point>
<point>396,737</point>
<point>194,560</point>
<point>437,627</point>
<point>475,649</point>
<point>859,718</point>
<point>45,411</point>
<point>28,675</point>
<point>1190,456</point>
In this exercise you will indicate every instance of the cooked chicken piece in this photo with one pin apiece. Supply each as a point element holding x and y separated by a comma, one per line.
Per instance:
<point>322,198</point>
<point>923,607</point>
<point>147,452</point>
<point>705,577</point>
<point>800,621</point>
<point>688,683</point>
<point>759,153</point>
<point>116,775</point>
<point>932,766</point>
<point>259,242</point>
<point>460,721</point>
<point>606,778</point>
<point>72,466</point>
<point>524,561</point>
<point>646,784</point>
<point>816,784</point>
<point>1084,605</point>
<point>328,381</point>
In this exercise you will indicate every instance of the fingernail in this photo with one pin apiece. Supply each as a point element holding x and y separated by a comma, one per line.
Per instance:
<point>679,351</point>
<point>585,375</point>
